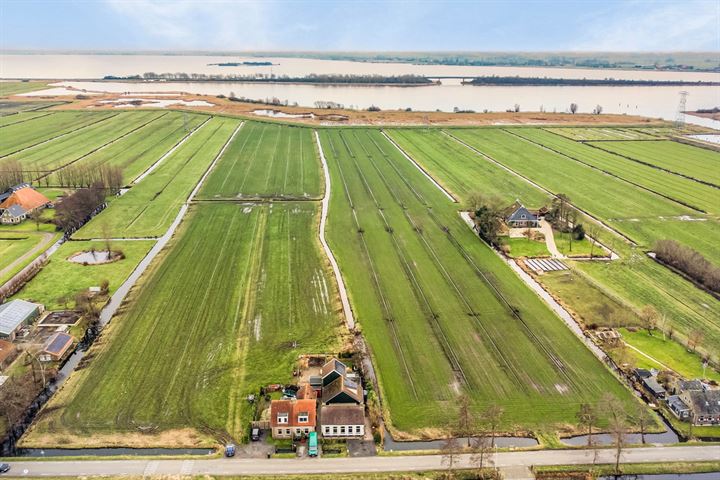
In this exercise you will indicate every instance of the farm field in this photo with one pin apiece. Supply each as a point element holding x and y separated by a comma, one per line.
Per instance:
<point>136,152</point>
<point>14,245</point>
<point>668,352</point>
<point>678,188</point>
<point>642,215</point>
<point>63,278</point>
<point>9,108</point>
<point>24,135</point>
<point>15,88</point>
<point>266,161</point>
<point>684,159</point>
<point>238,294</point>
<point>21,117</point>
<point>42,159</point>
<point>442,313</point>
<point>150,206</point>
<point>461,171</point>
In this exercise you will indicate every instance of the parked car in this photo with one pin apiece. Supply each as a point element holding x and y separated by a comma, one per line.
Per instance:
<point>230,450</point>
<point>4,468</point>
<point>255,434</point>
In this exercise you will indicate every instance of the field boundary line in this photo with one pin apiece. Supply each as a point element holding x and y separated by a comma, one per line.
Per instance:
<point>108,117</point>
<point>606,172</point>
<point>172,150</point>
<point>212,165</point>
<point>25,120</point>
<point>347,310</point>
<point>539,187</point>
<point>422,170</point>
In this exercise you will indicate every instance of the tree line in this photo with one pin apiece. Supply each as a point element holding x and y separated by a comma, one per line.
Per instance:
<point>690,262</point>
<point>581,82</point>
<point>272,78</point>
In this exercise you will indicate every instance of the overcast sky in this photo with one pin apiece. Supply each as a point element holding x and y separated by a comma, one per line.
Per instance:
<point>522,25</point>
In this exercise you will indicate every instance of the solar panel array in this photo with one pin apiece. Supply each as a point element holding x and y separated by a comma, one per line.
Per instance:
<point>545,264</point>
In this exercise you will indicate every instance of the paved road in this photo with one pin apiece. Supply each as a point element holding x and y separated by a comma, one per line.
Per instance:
<point>503,460</point>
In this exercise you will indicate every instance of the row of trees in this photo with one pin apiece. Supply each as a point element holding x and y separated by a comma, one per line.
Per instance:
<point>12,173</point>
<point>83,175</point>
<point>690,262</point>
<point>260,77</point>
<point>579,82</point>
<point>73,210</point>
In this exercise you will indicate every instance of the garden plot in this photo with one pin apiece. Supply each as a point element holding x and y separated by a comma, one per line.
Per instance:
<point>229,305</point>
<point>267,161</point>
<point>442,313</point>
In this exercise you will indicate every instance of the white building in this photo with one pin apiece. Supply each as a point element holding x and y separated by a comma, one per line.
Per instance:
<point>342,421</point>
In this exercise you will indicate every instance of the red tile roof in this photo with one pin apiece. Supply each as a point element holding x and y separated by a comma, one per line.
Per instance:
<point>293,408</point>
<point>27,197</point>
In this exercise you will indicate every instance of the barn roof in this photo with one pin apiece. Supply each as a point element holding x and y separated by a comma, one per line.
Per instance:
<point>14,313</point>
<point>342,414</point>
<point>27,197</point>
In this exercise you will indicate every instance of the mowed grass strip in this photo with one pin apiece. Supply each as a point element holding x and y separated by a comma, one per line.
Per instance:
<point>13,246</point>
<point>138,151</point>
<point>692,161</point>
<point>428,294</point>
<point>462,171</point>
<point>15,88</point>
<point>63,278</point>
<point>229,306</point>
<point>62,151</point>
<point>670,185</point>
<point>17,137</point>
<point>150,206</point>
<point>267,160</point>
<point>21,117</point>
<point>603,133</point>
<point>642,215</point>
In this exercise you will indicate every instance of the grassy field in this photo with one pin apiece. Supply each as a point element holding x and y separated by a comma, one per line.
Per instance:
<point>638,213</point>
<point>15,88</point>
<point>136,152</point>
<point>19,136</point>
<point>668,352</point>
<point>149,207</point>
<point>63,278</point>
<point>267,160</point>
<point>525,247</point>
<point>69,148</point>
<point>437,305</point>
<point>21,117</point>
<point>16,244</point>
<point>238,295</point>
<point>10,108</point>
<point>676,187</point>
<point>591,304</point>
<point>461,171</point>
<point>687,160</point>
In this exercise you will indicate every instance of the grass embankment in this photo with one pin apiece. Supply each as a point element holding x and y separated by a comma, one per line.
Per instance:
<point>423,288</point>
<point>230,304</point>
<point>63,278</point>
<point>15,88</point>
<point>266,161</point>
<point>668,352</point>
<point>148,208</point>
<point>561,471</point>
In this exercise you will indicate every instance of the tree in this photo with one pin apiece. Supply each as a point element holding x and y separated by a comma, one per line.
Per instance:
<point>695,337</point>
<point>573,108</point>
<point>617,424</point>
<point>107,237</point>
<point>488,220</point>
<point>642,420</point>
<point>450,452</point>
<point>598,109</point>
<point>587,417</point>
<point>36,217</point>
<point>578,231</point>
<point>594,237</point>
<point>649,317</point>
<point>481,449</point>
<point>491,418</point>
<point>466,419</point>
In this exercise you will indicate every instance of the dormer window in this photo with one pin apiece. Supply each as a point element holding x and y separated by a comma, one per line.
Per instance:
<point>303,417</point>
<point>523,216</point>
<point>282,418</point>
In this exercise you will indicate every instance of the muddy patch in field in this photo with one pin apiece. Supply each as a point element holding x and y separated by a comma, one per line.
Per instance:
<point>96,257</point>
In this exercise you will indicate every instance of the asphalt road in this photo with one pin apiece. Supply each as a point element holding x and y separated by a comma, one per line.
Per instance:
<point>350,465</point>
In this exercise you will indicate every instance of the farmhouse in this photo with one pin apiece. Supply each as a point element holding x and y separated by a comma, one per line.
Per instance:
<point>292,418</point>
<point>15,314</point>
<point>342,420</point>
<point>517,216</point>
<point>19,202</point>
<point>57,347</point>
<point>704,405</point>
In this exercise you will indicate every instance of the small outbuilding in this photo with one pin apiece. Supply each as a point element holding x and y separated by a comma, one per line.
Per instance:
<point>15,314</point>
<point>57,348</point>
<point>678,407</point>
<point>651,385</point>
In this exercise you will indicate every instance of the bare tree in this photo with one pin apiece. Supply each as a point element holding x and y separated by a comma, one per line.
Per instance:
<point>36,217</point>
<point>642,420</point>
<point>480,451</point>
<point>594,231</point>
<point>649,317</point>
<point>617,424</point>
<point>466,418</point>
<point>694,339</point>
<point>587,417</point>
<point>450,454</point>
<point>491,418</point>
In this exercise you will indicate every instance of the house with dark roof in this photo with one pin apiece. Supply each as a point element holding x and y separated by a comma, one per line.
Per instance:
<point>517,216</point>
<point>332,370</point>
<point>342,421</point>
<point>292,417</point>
<point>704,405</point>
<point>653,386</point>
<point>678,407</point>
<point>342,390</point>
<point>13,215</point>
<point>688,385</point>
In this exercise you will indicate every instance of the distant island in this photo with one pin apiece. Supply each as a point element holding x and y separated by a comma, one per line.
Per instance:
<point>405,80</point>
<point>243,64</point>
<point>581,82</point>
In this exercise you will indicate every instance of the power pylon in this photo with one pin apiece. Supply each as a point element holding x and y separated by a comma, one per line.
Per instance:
<point>682,106</point>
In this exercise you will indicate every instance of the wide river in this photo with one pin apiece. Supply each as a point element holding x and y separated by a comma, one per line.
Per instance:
<point>659,102</point>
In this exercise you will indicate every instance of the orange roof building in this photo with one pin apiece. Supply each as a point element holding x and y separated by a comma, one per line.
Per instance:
<point>292,418</point>
<point>27,197</point>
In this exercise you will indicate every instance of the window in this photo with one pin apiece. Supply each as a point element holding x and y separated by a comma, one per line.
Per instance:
<point>307,431</point>
<point>303,417</point>
<point>298,431</point>
<point>287,432</point>
<point>326,430</point>
<point>342,430</point>
<point>334,430</point>
<point>523,216</point>
<point>282,418</point>
<point>357,429</point>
